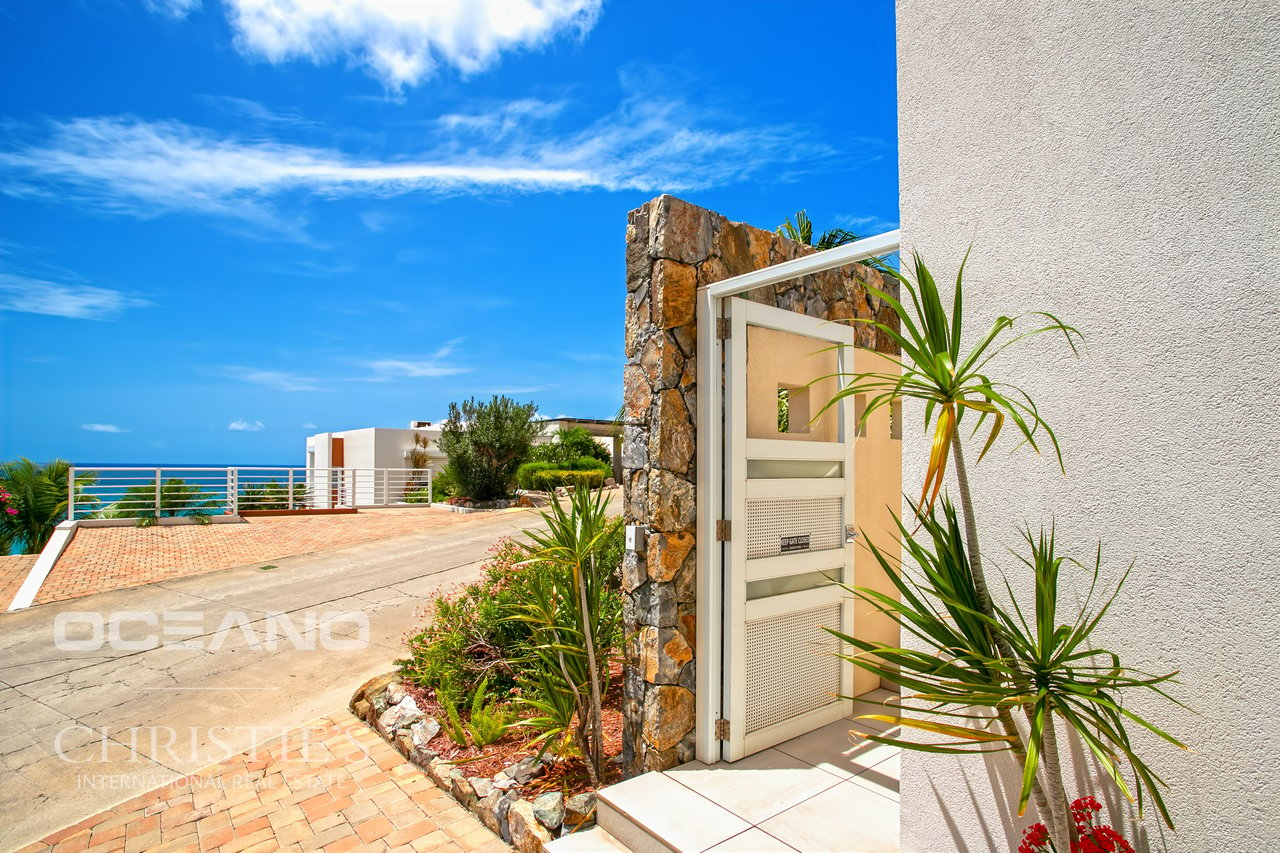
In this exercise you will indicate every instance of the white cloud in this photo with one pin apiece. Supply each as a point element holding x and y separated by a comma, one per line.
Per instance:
<point>433,365</point>
<point>78,301</point>
<point>403,42</point>
<point>375,220</point>
<point>102,428</point>
<point>176,9</point>
<point>651,141</point>
<point>274,379</point>
<point>309,425</point>
<point>414,369</point>
<point>242,425</point>
<point>125,165</point>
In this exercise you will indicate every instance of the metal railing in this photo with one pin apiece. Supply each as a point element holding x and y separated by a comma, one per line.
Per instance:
<point>104,492</point>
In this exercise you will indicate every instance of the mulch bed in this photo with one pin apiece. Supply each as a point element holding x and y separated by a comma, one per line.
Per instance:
<point>568,775</point>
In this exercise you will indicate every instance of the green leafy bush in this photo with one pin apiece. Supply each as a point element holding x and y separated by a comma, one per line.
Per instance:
<point>545,481</point>
<point>568,445</point>
<point>486,443</point>
<point>470,641</point>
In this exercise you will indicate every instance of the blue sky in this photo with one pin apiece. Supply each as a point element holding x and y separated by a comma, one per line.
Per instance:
<point>227,224</point>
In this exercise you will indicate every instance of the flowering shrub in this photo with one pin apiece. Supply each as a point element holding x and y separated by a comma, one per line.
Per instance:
<point>9,502</point>
<point>1094,838</point>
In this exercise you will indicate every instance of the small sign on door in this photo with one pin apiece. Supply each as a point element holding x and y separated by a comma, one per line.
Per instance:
<point>791,544</point>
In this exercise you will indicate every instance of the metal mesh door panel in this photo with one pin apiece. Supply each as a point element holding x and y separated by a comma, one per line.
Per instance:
<point>791,665</point>
<point>769,520</point>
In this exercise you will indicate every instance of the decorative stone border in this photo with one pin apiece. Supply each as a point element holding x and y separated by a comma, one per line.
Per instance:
<point>527,825</point>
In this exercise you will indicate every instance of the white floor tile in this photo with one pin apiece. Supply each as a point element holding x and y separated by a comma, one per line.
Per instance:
<point>757,787</point>
<point>681,818</point>
<point>834,749</point>
<point>752,841</point>
<point>843,819</point>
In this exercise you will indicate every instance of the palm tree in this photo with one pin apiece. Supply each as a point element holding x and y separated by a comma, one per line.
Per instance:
<point>802,232</point>
<point>35,501</point>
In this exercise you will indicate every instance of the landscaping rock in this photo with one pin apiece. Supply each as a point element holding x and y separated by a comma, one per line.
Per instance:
<point>461,789</point>
<point>578,809</point>
<point>423,731</point>
<point>401,715</point>
<point>395,693</point>
<point>502,811</point>
<point>438,770</point>
<point>362,709</point>
<point>527,835</point>
<point>481,785</point>
<point>371,688</point>
<point>487,809</point>
<point>525,769</point>
<point>549,810</point>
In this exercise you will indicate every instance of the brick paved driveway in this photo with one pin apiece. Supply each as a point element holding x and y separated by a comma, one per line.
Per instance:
<point>331,785</point>
<point>106,558</point>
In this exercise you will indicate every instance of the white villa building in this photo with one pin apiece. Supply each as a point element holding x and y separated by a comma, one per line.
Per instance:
<point>374,448</point>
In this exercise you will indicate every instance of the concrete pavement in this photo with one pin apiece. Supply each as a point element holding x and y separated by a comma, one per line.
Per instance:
<point>105,697</point>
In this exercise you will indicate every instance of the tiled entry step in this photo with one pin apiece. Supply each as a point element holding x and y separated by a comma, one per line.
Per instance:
<point>818,792</point>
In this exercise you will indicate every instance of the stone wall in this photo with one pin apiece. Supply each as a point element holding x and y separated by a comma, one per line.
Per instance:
<point>674,248</point>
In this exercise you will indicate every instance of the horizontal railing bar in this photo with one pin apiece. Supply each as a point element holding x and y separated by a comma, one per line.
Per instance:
<point>850,253</point>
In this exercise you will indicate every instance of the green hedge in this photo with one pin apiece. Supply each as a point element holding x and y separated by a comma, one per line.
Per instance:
<point>545,481</point>
<point>542,476</point>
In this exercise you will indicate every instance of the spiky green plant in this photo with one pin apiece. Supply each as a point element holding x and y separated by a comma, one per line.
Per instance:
<point>1054,671</point>
<point>576,623</point>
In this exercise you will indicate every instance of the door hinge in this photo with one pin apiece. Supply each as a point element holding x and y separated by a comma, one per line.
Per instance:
<point>724,328</point>
<point>724,530</point>
<point>722,729</point>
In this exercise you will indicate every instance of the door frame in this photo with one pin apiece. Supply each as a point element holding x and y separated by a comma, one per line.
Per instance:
<point>710,462</point>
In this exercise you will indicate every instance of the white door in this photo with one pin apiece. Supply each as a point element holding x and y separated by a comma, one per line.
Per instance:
<point>788,498</point>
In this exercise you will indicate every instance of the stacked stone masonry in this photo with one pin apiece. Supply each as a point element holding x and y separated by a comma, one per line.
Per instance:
<point>673,249</point>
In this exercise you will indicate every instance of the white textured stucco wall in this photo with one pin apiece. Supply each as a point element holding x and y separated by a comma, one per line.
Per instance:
<point>1118,163</point>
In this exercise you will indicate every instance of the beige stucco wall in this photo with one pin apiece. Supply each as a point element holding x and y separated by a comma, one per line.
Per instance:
<point>1117,163</point>
<point>877,465</point>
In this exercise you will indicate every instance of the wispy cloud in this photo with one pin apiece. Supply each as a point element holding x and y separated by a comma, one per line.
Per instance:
<point>78,301</point>
<point>433,365</point>
<point>308,425</point>
<point>652,141</point>
<point>259,113</point>
<point>102,428</point>
<point>175,9</point>
<point>274,379</point>
<point>242,425</point>
<point>399,43</point>
<point>504,119</point>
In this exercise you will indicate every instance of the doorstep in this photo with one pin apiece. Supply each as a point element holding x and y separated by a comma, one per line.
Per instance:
<point>817,792</point>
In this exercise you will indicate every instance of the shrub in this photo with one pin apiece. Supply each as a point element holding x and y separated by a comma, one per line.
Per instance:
<point>545,481</point>
<point>569,445</point>
<point>470,641</point>
<point>485,443</point>
<point>545,476</point>
<point>525,473</point>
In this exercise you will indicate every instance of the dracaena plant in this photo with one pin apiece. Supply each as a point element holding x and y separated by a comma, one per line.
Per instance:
<point>1038,670</point>
<point>1055,672</point>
